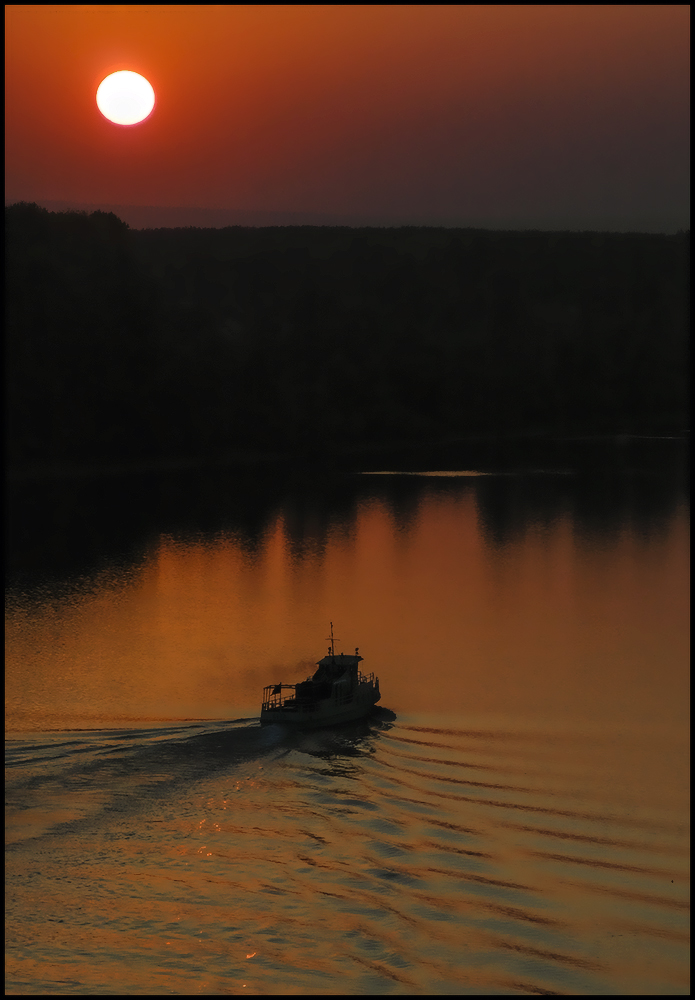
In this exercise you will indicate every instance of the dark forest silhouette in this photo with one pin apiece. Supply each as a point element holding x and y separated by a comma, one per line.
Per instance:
<point>136,346</point>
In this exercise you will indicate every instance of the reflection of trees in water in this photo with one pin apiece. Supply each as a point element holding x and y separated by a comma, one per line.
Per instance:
<point>74,523</point>
<point>608,488</point>
<point>401,496</point>
<point>315,509</point>
<point>65,525</point>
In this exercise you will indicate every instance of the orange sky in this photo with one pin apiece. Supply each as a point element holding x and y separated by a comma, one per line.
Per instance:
<point>495,115</point>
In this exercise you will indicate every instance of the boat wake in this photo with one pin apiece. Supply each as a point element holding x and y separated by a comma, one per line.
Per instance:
<point>385,855</point>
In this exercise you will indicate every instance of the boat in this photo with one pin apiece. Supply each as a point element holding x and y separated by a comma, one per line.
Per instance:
<point>337,692</point>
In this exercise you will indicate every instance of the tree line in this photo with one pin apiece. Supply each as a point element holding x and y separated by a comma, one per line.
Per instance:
<point>135,345</point>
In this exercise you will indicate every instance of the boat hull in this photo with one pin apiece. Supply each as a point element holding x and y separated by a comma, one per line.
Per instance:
<point>325,713</point>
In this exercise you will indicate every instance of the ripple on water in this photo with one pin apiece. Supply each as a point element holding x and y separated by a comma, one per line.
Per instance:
<point>390,858</point>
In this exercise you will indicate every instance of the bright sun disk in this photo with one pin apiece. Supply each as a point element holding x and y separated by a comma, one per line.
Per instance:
<point>125,98</point>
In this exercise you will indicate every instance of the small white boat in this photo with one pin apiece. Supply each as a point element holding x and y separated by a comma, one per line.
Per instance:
<point>337,692</point>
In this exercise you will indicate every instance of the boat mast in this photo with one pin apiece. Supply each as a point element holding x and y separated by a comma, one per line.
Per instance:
<point>331,648</point>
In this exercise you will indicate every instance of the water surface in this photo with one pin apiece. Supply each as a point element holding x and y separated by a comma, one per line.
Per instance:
<point>513,820</point>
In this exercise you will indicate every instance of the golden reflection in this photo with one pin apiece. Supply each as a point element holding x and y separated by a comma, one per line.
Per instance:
<point>550,625</point>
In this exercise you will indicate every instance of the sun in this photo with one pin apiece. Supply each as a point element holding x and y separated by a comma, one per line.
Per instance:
<point>125,98</point>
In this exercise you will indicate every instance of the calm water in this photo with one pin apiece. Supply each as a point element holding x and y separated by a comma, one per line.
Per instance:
<point>515,818</point>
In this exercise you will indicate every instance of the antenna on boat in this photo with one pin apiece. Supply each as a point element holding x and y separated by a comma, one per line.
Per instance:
<point>331,648</point>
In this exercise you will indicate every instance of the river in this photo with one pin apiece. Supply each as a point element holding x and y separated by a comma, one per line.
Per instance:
<point>513,819</point>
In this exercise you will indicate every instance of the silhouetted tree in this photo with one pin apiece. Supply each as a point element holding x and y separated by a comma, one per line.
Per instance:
<point>127,345</point>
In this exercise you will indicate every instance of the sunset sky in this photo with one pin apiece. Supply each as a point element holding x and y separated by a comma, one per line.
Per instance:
<point>523,116</point>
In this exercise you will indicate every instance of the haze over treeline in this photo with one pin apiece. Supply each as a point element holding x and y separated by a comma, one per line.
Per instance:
<point>130,346</point>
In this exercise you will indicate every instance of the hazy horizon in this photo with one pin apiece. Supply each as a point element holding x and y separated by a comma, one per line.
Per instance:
<point>182,216</point>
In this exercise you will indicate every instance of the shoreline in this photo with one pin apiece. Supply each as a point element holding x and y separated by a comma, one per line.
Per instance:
<point>68,471</point>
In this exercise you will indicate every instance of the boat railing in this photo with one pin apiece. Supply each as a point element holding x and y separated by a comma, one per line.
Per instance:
<point>367,678</point>
<point>274,696</point>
